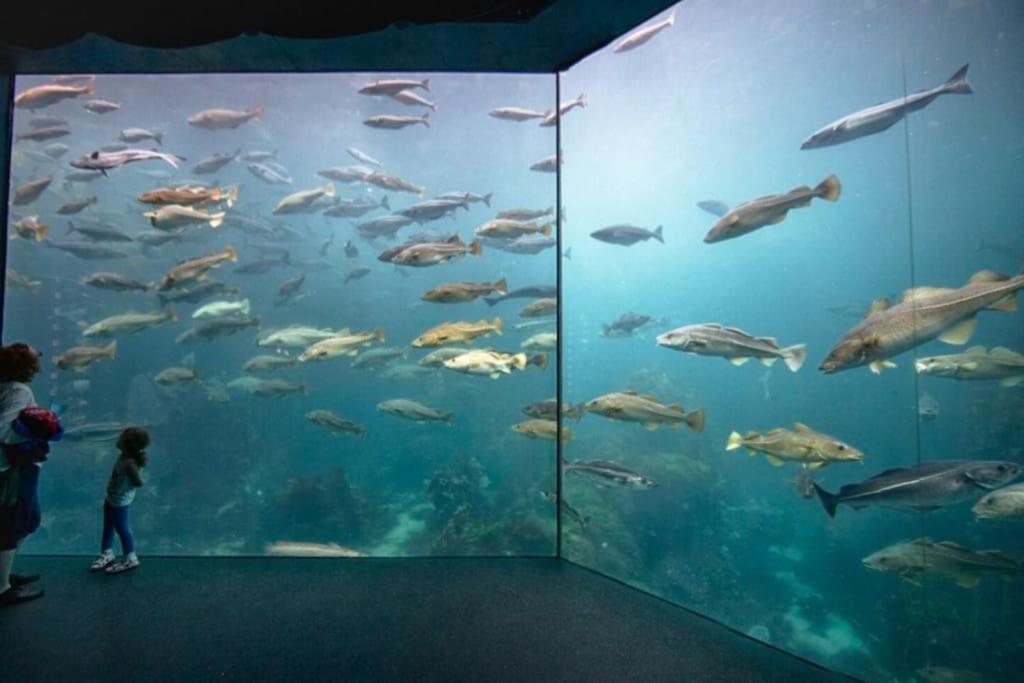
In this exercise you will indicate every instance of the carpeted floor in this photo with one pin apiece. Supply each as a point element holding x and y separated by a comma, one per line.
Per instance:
<point>278,619</point>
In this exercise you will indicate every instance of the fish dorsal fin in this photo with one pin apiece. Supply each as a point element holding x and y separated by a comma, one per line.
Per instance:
<point>987,276</point>
<point>1003,352</point>
<point>674,406</point>
<point>769,340</point>
<point>961,332</point>
<point>775,432</point>
<point>925,542</point>
<point>918,293</point>
<point>980,350</point>
<point>713,326</point>
<point>735,330</point>
<point>648,397</point>
<point>878,305</point>
<point>801,427</point>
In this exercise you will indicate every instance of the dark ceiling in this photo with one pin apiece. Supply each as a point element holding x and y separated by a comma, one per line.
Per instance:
<point>429,35</point>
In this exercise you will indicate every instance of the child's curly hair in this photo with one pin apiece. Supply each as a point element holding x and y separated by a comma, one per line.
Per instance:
<point>18,363</point>
<point>133,441</point>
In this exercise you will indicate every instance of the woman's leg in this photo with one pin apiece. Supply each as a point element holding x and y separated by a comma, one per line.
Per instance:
<point>107,542</point>
<point>124,530</point>
<point>6,562</point>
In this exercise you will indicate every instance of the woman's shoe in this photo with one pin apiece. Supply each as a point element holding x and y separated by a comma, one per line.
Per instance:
<point>23,579</point>
<point>102,562</point>
<point>15,595</point>
<point>123,565</point>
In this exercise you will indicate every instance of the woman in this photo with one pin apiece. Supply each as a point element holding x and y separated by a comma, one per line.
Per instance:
<point>19,363</point>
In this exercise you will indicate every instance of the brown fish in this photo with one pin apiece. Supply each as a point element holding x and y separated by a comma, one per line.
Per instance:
<point>30,191</point>
<point>194,270</point>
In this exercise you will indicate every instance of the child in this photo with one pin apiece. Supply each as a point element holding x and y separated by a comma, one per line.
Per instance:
<point>124,479</point>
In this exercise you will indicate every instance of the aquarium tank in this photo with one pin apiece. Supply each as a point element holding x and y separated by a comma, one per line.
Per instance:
<point>726,311</point>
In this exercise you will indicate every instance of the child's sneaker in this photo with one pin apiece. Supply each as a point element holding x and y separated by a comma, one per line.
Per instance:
<point>129,562</point>
<point>105,559</point>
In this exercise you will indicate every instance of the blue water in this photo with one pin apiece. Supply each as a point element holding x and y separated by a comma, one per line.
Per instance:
<point>232,472</point>
<point>716,108</point>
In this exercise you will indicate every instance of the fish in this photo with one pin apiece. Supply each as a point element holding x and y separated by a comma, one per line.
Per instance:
<point>569,511</point>
<point>76,205</point>
<point>362,156</point>
<point>129,135</point>
<point>115,283</point>
<point>413,410</point>
<point>406,371</point>
<point>925,487</point>
<point>95,431</point>
<point>218,327</point>
<point>801,444</point>
<point>924,313</point>
<point>1003,503</point>
<point>289,288</point>
<point>299,202</point>
<point>19,281</point>
<point>215,163</point>
<point>547,164</point>
<point>268,388</point>
<point>334,423</point>
<point>45,95</point>
<point>963,566</point>
<point>629,406</point>
<point>493,364</point>
<point>384,226</point>
<point>185,195</point>
<point>100,106</point>
<point>733,344</point>
<point>264,265</point>
<point>377,358</point>
<point>542,429</point>
<point>195,269</point>
<point>547,410</point>
<point>526,214</point>
<point>435,253</point>
<point>174,217</point>
<point>642,35</point>
<point>347,174</point>
<point>437,357</point>
<point>459,292</point>
<point>294,549</point>
<point>30,228</point>
<point>627,235</point>
<point>516,114</point>
<point>392,122</point>
<point>268,175</point>
<point>927,407</point>
<point>74,79</point>
<point>104,161</point>
<point>99,231</point>
<point>356,273</point>
<point>325,245</point>
<point>409,98</point>
<point>607,472</point>
<point>221,309</point>
<point>551,117</point>
<point>196,294</point>
<point>175,376</point>
<point>223,119</point>
<point>976,363</point>
<point>540,308</point>
<point>48,122</point>
<point>78,358</point>
<point>340,345</point>
<point>457,333</point>
<point>531,292</point>
<point>27,193</point>
<point>542,341</point>
<point>56,150</point>
<point>42,134</point>
<point>507,229</point>
<point>625,325</point>
<point>883,116</point>
<point>393,86</point>
<point>432,209</point>
<point>393,183</point>
<point>469,197</point>
<point>88,251</point>
<point>129,323</point>
<point>354,208</point>
<point>770,210</point>
<point>258,156</point>
<point>298,336</point>
<point>523,245</point>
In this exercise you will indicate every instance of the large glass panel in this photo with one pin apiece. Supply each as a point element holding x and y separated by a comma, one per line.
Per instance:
<point>280,380</point>
<point>680,130</point>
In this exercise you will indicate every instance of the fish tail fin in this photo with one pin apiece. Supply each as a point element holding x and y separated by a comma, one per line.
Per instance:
<point>426,84</point>
<point>828,500</point>
<point>232,255</point>
<point>257,112</point>
<point>498,326</point>
<point>582,99</point>
<point>501,286</point>
<point>957,83</point>
<point>111,349</point>
<point>795,356</point>
<point>658,234</point>
<point>671,21</point>
<point>695,419</point>
<point>378,334</point>
<point>576,411</point>
<point>475,249</point>
<point>159,137</point>
<point>232,196</point>
<point>426,119</point>
<point>519,361</point>
<point>217,219</point>
<point>735,441</point>
<point>245,306</point>
<point>546,229</point>
<point>829,189</point>
<point>449,418</point>
<point>386,203</point>
<point>487,199</point>
<point>541,361</point>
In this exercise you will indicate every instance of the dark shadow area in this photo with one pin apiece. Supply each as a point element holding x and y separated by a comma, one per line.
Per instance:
<point>366,620</point>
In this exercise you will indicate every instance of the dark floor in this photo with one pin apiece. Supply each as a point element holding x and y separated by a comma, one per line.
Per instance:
<point>365,620</point>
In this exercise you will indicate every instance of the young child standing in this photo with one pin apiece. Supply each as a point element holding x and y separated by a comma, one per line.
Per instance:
<point>124,479</point>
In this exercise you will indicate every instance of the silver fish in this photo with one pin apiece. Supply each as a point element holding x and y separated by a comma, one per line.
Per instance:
<point>642,35</point>
<point>607,472</point>
<point>770,210</point>
<point>733,344</point>
<point>627,235</point>
<point>391,122</point>
<point>104,161</point>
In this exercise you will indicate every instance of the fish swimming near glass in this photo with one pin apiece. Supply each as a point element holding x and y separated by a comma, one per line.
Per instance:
<point>770,210</point>
<point>976,363</point>
<point>963,566</point>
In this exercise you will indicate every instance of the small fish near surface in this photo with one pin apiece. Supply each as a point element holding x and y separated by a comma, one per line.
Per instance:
<point>733,344</point>
<point>963,566</point>
<point>883,116</point>
<point>104,161</point>
<point>976,363</point>
<point>457,333</point>
<point>30,228</point>
<point>1003,503</point>
<point>393,86</point>
<point>128,323</point>
<point>414,411</point>
<point>627,235</point>
<point>802,445</point>
<point>115,283</point>
<point>460,292</point>
<point>223,119</point>
<point>628,406</point>
<point>27,193</point>
<point>770,210</point>
<point>78,358</point>
<point>299,202</point>
<point>605,473</point>
<point>391,122</point>
<point>642,35</point>
<point>542,429</point>
<point>334,423</point>
<point>924,313</point>
<point>540,308</point>
<point>925,487</point>
<point>194,270</point>
<point>493,364</point>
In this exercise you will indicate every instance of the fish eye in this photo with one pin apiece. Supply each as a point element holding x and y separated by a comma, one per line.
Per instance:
<point>1001,468</point>
<point>841,447</point>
